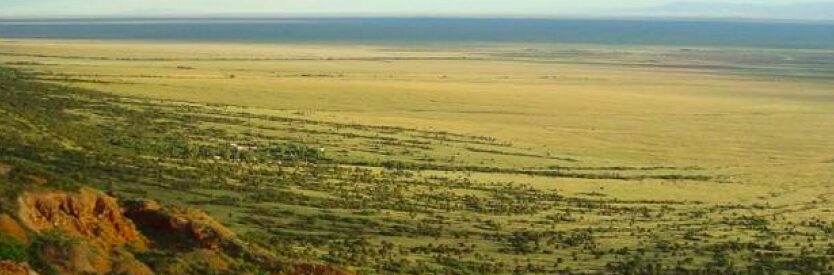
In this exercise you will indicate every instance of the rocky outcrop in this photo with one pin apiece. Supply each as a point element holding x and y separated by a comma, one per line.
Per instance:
<point>89,232</point>
<point>88,214</point>
<point>80,232</point>
<point>178,228</point>
<point>193,232</point>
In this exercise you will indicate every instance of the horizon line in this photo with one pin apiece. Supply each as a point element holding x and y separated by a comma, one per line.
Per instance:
<point>278,16</point>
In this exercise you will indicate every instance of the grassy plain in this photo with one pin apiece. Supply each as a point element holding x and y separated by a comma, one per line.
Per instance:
<point>619,157</point>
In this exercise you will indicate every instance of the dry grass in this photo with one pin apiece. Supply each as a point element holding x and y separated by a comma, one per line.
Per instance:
<point>757,123</point>
<point>766,133</point>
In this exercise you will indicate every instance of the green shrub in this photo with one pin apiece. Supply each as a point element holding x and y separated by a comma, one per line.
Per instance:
<point>54,238</point>
<point>12,250</point>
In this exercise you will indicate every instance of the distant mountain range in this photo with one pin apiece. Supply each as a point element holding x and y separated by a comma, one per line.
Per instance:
<point>805,11</point>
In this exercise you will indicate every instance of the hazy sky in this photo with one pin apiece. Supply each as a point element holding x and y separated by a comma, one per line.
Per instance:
<point>302,7</point>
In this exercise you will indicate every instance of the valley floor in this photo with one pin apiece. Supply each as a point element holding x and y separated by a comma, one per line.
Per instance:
<point>449,159</point>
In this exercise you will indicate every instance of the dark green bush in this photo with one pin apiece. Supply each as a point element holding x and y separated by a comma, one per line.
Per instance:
<point>12,250</point>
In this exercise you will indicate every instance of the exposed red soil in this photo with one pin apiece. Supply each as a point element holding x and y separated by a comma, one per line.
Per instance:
<point>88,214</point>
<point>10,227</point>
<point>100,230</point>
<point>12,268</point>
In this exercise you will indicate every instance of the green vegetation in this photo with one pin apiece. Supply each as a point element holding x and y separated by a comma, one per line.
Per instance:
<point>12,250</point>
<point>405,199</point>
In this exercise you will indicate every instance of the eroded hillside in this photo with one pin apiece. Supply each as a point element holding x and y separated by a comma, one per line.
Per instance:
<point>88,232</point>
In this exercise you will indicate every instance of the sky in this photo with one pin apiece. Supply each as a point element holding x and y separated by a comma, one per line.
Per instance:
<point>24,8</point>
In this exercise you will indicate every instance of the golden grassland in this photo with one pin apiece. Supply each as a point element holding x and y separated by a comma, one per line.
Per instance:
<point>638,105</point>
<point>759,122</point>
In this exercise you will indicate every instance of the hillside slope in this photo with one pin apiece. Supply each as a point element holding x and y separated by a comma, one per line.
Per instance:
<point>379,199</point>
<point>53,222</point>
<point>89,232</point>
